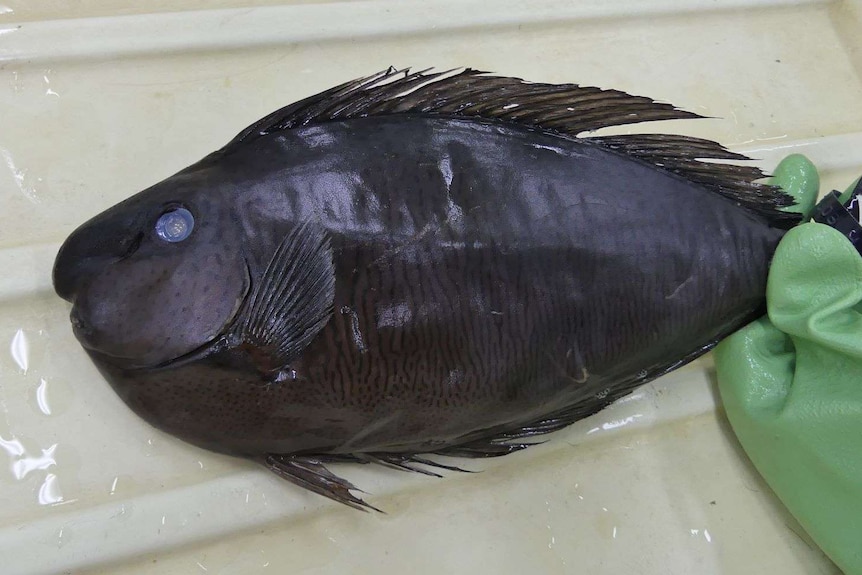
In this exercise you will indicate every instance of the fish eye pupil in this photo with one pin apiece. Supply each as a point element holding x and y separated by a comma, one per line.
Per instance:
<point>175,225</point>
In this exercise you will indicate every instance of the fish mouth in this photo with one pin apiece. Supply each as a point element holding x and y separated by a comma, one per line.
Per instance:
<point>85,333</point>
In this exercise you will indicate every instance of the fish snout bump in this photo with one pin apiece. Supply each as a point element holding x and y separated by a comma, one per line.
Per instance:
<point>71,270</point>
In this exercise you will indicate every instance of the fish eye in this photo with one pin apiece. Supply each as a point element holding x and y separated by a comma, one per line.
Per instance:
<point>175,225</point>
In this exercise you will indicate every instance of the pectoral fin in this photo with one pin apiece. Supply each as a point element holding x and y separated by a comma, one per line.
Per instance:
<point>291,302</point>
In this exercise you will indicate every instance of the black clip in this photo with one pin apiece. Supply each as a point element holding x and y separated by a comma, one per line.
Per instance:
<point>832,212</point>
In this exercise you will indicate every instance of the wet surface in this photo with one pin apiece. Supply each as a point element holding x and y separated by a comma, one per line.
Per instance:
<point>655,484</point>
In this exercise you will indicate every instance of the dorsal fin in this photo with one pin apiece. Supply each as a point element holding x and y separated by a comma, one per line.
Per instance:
<point>566,109</point>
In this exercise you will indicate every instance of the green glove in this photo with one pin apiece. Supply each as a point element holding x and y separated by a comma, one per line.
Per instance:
<point>791,382</point>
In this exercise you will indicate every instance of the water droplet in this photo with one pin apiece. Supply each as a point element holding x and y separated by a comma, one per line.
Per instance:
<point>42,397</point>
<point>64,534</point>
<point>20,177</point>
<point>16,82</point>
<point>12,447</point>
<point>48,90</point>
<point>19,349</point>
<point>49,492</point>
<point>621,422</point>
<point>26,465</point>
<point>50,396</point>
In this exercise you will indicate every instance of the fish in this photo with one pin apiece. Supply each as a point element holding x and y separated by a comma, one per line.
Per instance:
<point>416,264</point>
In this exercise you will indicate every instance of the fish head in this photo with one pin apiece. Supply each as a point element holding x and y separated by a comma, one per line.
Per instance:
<point>156,276</point>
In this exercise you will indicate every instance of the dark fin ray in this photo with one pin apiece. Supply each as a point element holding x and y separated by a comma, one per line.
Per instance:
<point>407,462</point>
<point>492,447</point>
<point>469,93</point>
<point>338,458</point>
<point>438,465</point>
<point>566,109</point>
<point>681,155</point>
<point>668,145</point>
<point>293,300</point>
<point>301,112</point>
<point>311,474</point>
<point>395,461</point>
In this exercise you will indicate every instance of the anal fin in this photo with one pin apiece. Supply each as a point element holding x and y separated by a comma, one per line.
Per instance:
<point>310,473</point>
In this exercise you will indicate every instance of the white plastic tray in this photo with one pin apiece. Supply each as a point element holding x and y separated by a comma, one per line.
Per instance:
<point>101,101</point>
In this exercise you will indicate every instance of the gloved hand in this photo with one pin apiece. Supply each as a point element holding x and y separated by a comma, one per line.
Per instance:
<point>791,382</point>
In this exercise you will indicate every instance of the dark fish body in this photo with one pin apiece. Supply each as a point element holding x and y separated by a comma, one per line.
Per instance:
<point>387,285</point>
